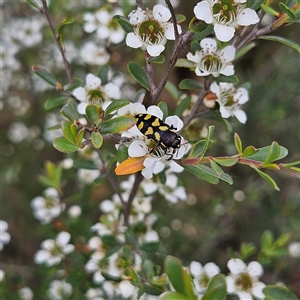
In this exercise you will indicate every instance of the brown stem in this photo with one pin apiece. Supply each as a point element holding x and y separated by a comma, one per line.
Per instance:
<point>44,10</point>
<point>173,19</point>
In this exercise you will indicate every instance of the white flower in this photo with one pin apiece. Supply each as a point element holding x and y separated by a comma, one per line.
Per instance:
<point>152,29</point>
<point>94,92</point>
<point>243,279</point>
<point>294,249</point>
<point>53,251</point>
<point>59,290</point>
<point>230,100</point>
<point>210,60</point>
<point>86,176</point>
<point>46,208</point>
<point>101,22</point>
<point>25,293</point>
<point>94,294</point>
<point>94,54</point>
<point>202,275</point>
<point>2,275</point>
<point>4,236</point>
<point>74,211</point>
<point>127,289</point>
<point>226,16</point>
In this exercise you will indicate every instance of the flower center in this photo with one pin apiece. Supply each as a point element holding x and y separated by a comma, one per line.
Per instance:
<point>227,98</point>
<point>151,32</point>
<point>96,95</point>
<point>203,280</point>
<point>244,282</point>
<point>210,63</point>
<point>224,11</point>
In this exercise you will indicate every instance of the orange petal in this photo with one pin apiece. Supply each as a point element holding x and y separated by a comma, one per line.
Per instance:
<point>130,165</point>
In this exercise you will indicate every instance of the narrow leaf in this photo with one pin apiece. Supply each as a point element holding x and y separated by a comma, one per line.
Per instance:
<point>33,3</point>
<point>103,74</point>
<point>69,135</point>
<point>173,296</point>
<point>63,145</point>
<point>275,292</point>
<point>211,129</point>
<point>55,101</point>
<point>69,112</point>
<point>173,90</point>
<point>203,172</point>
<point>282,40</point>
<point>244,50</point>
<point>115,105</point>
<point>250,150</point>
<point>45,74</point>
<point>216,289</point>
<point>255,4</point>
<point>219,172</point>
<point>190,84</point>
<point>230,79</point>
<point>267,178</point>
<point>61,28</point>
<point>117,124</point>
<point>124,23</point>
<point>273,154</point>
<point>199,148</point>
<point>184,63</point>
<point>97,139</point>
<point>79,137</point>
<point>182,106</point>
<point>164,108</point>
<point>201,35</point>
<point>287,10</point>
<point>238,143</point>
<point>139,74</point>
<point>130,166</point>
<point>77,82</point>
<point>269,10</point>
<point>227,161</point>
<point>158,59</point>
<point>94,113</point>
<point>263,152</point>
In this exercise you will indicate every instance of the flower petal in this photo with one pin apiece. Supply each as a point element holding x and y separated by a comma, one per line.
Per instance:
<point>155,50</point>
<point>240,115</point>
<point>224,33</point>
<point>161,13</point>
<point>203,12</point>
<point>236,266</point>
<point>133,40</point>
<point>255,269</point>
<point>247,17</point>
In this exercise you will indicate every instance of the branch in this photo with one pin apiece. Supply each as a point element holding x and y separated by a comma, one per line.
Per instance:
<point>44,10</point>
<point>173,19</point>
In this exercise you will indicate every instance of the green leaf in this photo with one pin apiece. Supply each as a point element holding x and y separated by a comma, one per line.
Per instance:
<point>269,10</point>
<point>203,172</point>
<point>97,139</point>
<point>244,50</point>
<point>173,296</point>
<point>263,152</point>
<point>199,148</point>
<point>216,289</point>
<point>117,124</point>
<point>238,144</point>
<point>61,28</point>
<point>227,178</point>
<point>69,112</point>
<point>63,145</point>
<point>77,82</point>
<point>124,23</point>
<point>115,105</point>
<point>202,34</point>
<point>227,161</point>
<point>182,106</point>
<point>282,40</point>
<point>266,177</point>
<point>158,59</point>
<point>173,90</point>
<point>197,26</point>
<point>94,113</point>
<point>219,172</point>
<point>180,18</point>
<point>275,292</point>
<point>33,3</point>
<point>79,137</point>
<point>189,84</point>
<point>287,10</point>
<point>45,75</point>
<point>68,133</point>
<point>139,74</point>
<point>140,95</point>
<point>164,108</point>
<point>211,129</point>
<point>273,153</point>
<point>255,4</point>
<point>122,153</point>
<point>250,150</point>
<point>103,74</point>
<point>179,277</point>
<point>184,63</point>
<point>223,78</point>
<point>267,239</point>
<point>80,163</point>
<point>110,240</point>
<point>55,101</point>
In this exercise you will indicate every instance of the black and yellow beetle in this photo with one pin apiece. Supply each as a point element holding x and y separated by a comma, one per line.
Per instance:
<point>161,133</point>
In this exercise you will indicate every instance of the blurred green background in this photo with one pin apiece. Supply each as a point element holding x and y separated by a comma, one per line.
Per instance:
<point>214,218</point>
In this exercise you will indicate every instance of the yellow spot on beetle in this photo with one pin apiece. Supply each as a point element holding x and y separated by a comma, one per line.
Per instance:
<point>149,131</point>
<point>156,122</point>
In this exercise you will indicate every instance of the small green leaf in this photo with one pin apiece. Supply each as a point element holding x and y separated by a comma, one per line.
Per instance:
<point>182,106</point>
<point>282,240</point>
<point>211,129</point>
<point>238,143</point>
<point>124,23</point>
<point>189,84</point>
<point>45,75</point>
<point>68,133</point>
<point>203,172</point>
<point>197,26</point>
<point>275,292</point>
<point>33,3</point>
<point>115,105</point>
<point>255,4</point>
<point>122,153</point>
<point>273,153</point>
<point>230,79</point>
<point>180,18</point>
<point>173,296</point>
<point>80,163</point>
<point>219,172</point>
<point>63,145</point>
<point>110,240</point>
<point>282,40</point>
<point>199,148</point>
<point>216,289</point>
<point>250,150</point>
<point>97,139</point>
<point>267,239</point>
<point>55,101</point>
<point>117,124</point>
<point>266,177</point>
<point>139,74</point>
<point>227,161</point>
<point>244,50</point>
<point>164,108</point>
<point>103,74</point>
<point>203,33</point>
<point>94,113</point>
<point>77,82</point>
<point>287,11</point>
<point>61,28</point>
<point>269,10</point>
<point>173,90</point>
<point>184,63</point>
<point>263,152</point>
<point>179,277</point>
<point>69,112</point>
<point>227,178</point>
<point>79,137</point>
<point>158,59</point>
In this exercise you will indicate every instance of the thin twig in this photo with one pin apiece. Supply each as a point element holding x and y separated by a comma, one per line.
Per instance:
<point>139,3</point>
<point>173,19</point>
<point>44,10</point>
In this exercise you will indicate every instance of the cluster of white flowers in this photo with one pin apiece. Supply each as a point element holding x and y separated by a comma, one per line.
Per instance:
<point>243,280</point>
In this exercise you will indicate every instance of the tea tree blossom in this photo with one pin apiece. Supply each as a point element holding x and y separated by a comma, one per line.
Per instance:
<point>202,274</point>
<point>25,293</point>
<point>226,16</point>
<point>94,92</point>
<point>244,280</point>
<point>101,22</point>
<point>59,290</point>
<point>4,235</point>
<point>53,251</point>
<point>151,30</point>
<point>230,100</point>
<point>94,54</point>
<point>210,60</point>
